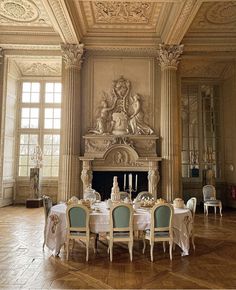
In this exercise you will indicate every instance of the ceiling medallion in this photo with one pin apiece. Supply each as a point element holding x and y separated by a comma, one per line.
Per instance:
<point>19,10</point>
<point>222,13</point>
<point>122,12</point>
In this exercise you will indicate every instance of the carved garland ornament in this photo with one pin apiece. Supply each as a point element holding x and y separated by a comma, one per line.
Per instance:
<point>169,55</point>
<point>19,10</point>
<point>41,69</point>
<point>121,113</point>
<point>72,55</point>
<point>122,12</point>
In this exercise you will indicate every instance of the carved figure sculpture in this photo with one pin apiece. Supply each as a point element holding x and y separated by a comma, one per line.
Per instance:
<point>86,178</point>
<point>136,122</point>
<point>153,179</point>
<point>115,191</point>
<point>104,123</point>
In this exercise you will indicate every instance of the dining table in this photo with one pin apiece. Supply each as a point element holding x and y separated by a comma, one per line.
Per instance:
<point>56,227</point>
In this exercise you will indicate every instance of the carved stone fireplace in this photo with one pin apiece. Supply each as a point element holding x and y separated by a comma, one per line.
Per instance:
<point>121,140</point>
<point>121,153</point>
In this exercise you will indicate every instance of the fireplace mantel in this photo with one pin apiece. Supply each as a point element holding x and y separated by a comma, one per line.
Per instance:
<point>121,153</point>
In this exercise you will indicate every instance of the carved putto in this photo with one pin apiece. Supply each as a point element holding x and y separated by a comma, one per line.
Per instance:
<point>121,113</point>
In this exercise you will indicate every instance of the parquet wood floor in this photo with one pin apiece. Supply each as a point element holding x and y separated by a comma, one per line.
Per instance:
<point>23,264</point>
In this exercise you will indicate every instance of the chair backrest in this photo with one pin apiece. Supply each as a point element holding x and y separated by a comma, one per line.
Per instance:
<point>98,196</point>
<point>121,218</point>
<point>192,204</point>
<point>123,195</point>
<point>47,205</point>
<point>77,218</point>
<point>144,195</point>
<point>162,218</point>
<point>209,192</point>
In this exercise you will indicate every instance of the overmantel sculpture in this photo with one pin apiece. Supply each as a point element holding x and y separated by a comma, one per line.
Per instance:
<point>121,113</point>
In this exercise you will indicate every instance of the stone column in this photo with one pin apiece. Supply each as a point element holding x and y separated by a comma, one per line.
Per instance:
<point>69,177</point>
<point>170,121</point>
<point>1,114</point>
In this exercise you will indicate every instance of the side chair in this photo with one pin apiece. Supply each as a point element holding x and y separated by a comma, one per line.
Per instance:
<point>161,227</point>
<point>121,227</point>
<point>209,199</point>
<point>78,228</point>
<point>47,205</point>
<point>191,205</point>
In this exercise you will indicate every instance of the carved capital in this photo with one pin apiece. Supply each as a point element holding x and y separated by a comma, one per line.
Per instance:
<point>72,55</point>
<point>169,55</point>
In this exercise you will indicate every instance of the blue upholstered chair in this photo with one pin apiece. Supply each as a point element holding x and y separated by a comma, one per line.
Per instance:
<point>161,227</point>
<point>78,228</point>
<point>191,205</point>
<point>121,227</point>
<point>209,199</point>
<point>47,204</point>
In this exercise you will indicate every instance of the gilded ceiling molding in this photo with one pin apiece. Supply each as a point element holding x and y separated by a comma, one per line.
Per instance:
<point>72,55</point>
<point>182,22</point>
<point>61,20</point>
<point>169,55</point>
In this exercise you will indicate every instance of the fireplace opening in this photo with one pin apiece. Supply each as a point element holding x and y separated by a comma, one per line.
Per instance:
<point>103,181</point>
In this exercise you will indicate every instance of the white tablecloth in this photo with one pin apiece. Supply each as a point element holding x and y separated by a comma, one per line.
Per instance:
<point>99,222</point>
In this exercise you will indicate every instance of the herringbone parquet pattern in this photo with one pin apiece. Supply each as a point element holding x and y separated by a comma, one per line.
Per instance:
<point>23,264</point>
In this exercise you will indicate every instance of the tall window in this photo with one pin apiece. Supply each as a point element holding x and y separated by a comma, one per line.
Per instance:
<point>200,129</point>
<point>40,123</point>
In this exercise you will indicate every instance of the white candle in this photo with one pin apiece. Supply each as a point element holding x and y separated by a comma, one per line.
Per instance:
<point>124,181</point>
<point>130,180</point>
<point>136,182</point>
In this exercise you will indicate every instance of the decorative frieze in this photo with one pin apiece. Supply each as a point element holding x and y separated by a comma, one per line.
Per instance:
<point>169,55</point>
<point>72,55</point>
<point>122,12</point>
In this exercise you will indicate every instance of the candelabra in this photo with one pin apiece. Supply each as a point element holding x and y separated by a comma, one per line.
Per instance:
<point>130,188</point>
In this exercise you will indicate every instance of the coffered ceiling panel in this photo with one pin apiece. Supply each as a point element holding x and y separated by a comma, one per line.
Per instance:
<point>217,17</point>
<point>93,17</point>
<point>23,13</point>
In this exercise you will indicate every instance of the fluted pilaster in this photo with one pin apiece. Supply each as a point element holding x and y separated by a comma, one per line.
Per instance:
<point>69,177</point>
<point>169,58</point>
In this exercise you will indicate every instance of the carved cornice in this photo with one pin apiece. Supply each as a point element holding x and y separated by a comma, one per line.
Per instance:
<point>1,55</point>
<point>61,21</point>
<point>29,46</point>
<point>139,51</point>
<point>179,25</point>
<point>72,55</point>
<point>169,55</point>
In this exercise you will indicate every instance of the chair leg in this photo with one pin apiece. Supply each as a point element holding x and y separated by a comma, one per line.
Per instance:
<point>170,249</point>
<point>215,209</point>
<point>131,251</point>
<point>220,209</point>
<point>164,246</point>
<point>67,249</point>
<point>94,246</point>
<point>87,251</point>
<point>206,210</point>
<point>144,245</point>
<point>110,250</point>
<point>192,237</point>
<point>151,250</point>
